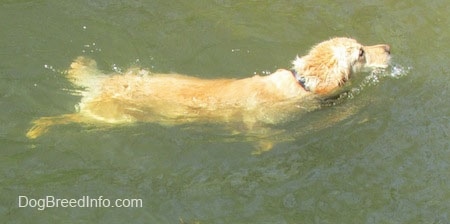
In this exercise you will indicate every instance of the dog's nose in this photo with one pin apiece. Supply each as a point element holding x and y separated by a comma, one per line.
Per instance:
<point>387,48</point>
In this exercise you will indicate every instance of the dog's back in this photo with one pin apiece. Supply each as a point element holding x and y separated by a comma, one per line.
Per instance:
<point>173,98</point>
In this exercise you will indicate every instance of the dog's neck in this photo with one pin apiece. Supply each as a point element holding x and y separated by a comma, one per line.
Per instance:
<point>300,79</point>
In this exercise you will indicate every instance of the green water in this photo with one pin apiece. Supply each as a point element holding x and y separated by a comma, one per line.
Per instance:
<point>389,162</point>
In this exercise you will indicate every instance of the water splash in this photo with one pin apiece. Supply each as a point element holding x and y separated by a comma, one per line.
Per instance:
<point>395,71</point>
<point>373,78</point>
<point>116,68</point>
<point>91,48</point>
<point>53,69</point>
<point>398,71</point>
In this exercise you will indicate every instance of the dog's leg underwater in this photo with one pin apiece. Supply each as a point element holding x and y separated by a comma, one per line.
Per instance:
<point>42,124</point>
<point>83,73</point>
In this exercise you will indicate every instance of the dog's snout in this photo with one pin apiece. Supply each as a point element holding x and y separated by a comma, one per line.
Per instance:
<point>387,48</point>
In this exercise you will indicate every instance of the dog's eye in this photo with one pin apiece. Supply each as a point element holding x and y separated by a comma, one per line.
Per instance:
<point>361,53</point>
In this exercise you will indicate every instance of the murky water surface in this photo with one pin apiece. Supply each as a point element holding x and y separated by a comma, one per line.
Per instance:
<point>384,159</point>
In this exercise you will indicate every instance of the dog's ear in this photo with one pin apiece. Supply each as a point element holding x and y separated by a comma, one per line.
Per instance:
<point>301,72</point>
<point>323,69</point>
<point>309,72</point>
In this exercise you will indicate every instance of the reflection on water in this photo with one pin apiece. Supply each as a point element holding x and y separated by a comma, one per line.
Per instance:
<point>378,153</point>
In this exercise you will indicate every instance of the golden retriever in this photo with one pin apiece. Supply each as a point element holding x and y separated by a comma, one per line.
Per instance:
<point>143,96</point>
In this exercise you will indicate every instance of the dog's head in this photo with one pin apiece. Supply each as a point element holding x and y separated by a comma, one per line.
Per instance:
<point>330,64</point>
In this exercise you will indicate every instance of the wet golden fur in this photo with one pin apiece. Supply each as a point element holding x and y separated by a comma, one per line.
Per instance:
<point>142,96</point>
